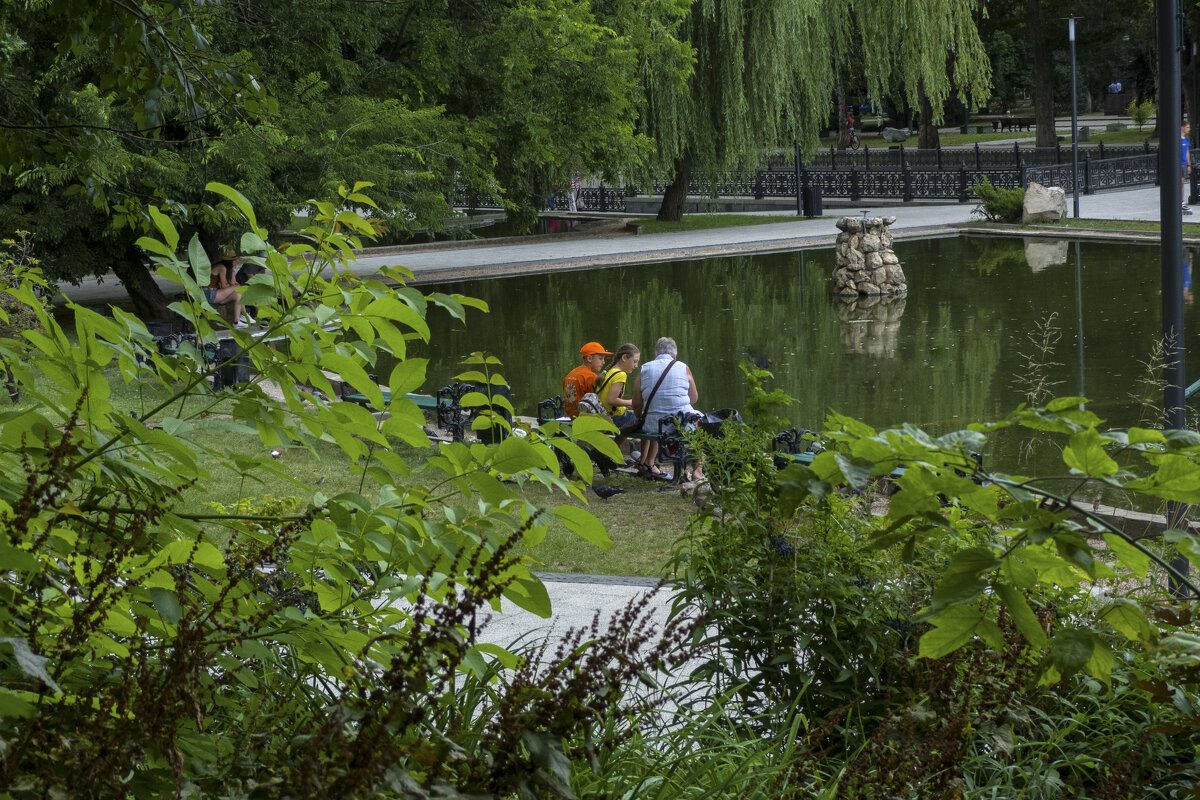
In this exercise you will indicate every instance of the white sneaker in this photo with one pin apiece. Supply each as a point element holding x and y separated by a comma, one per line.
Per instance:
<point>1187,209</point>
<point>249,320</point>
<point>241,326</point>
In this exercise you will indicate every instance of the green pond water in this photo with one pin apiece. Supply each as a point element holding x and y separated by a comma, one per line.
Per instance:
<point>948,353</point>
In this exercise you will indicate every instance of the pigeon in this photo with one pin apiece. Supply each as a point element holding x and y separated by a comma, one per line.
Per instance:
<point>606,492</point>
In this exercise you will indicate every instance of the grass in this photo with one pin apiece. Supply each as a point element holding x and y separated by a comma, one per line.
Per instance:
<point>696,222</point>
<point>1148,226</point>
<point>642,523</point>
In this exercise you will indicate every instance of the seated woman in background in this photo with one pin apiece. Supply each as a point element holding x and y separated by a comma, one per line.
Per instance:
<point>664,387</point>
<point>611,386</point>
<point>223,288</point>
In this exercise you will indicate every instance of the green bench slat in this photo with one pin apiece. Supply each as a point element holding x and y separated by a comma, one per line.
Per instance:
<point>422,400</point>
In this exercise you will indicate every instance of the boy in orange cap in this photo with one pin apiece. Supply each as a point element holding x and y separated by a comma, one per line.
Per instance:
<point>582,379</point>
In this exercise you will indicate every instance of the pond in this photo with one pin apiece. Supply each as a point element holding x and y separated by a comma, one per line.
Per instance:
<point>951,352</point>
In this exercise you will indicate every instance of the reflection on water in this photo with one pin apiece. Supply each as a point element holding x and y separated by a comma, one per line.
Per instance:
<point>870,324</point>
<point>1043,253</point>
<point>941,357</point>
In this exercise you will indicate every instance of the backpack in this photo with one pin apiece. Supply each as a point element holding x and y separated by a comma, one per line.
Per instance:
<point>590,404</point>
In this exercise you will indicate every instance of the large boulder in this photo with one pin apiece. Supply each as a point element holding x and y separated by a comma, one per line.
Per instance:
<point>1043,203</point>
<point>895,135</point>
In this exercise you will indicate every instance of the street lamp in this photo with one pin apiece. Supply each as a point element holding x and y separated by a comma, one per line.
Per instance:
<point>1074,119</point>
<point>1192,197</point>
<point>1170,198</point>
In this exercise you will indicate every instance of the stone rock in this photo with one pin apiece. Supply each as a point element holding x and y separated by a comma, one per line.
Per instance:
<point>849,224</point>
<point>1043,253</point>
<point>895,135</point>
<point>869,243</point>
<point>1043,203</point>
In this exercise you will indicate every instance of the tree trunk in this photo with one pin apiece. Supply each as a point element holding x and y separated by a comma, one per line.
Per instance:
<point>1043,74</point>
<point>842,139</point>
<point>675,195</point>
<point>927,132</point>
<point>149,302</point>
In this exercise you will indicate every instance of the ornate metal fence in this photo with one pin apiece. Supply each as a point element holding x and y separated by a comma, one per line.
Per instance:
<point>1110,173</point>
<point>903,173</point>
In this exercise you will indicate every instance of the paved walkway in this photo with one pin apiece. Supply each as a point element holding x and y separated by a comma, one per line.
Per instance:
<point>451,262</point>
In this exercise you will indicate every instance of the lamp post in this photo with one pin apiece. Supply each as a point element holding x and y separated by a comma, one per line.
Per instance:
<point>1170,198</point>
<point>1192,196</point>
<point>1074,119</point>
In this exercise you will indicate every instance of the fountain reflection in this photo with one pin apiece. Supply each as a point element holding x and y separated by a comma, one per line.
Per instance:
<point>870,324</point>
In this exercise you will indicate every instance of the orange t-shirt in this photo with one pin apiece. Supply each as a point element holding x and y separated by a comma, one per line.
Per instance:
<point>578,382</point>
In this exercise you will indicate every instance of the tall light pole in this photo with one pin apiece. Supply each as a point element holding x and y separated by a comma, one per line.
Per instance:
<point>1192,198</point>
<point>1074,118</point>
<point>1170,196</point>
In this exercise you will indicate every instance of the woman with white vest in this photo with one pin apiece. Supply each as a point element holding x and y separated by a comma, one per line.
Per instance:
<point>663,387</point>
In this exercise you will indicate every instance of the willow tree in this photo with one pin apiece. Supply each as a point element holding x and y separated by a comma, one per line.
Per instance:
<point>764,75</point>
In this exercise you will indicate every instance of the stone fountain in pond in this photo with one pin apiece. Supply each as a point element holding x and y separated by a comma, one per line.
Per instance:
<point>870,283</point>
<point>866,264</point>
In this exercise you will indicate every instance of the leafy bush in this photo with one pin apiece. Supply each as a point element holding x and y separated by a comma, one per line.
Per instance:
<point>1142,112</point>
<point>998,205</point>
<point>265,648</point>
<point>952,646</point>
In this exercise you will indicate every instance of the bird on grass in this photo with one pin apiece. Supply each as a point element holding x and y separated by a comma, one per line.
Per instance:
<point>606,492</point>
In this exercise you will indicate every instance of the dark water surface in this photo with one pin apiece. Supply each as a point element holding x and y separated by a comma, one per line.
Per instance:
<point>947,354</point>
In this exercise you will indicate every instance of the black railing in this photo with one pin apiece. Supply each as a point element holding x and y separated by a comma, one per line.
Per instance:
<point>903,173</point>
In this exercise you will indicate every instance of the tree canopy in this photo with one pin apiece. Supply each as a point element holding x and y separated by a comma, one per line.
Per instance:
<point>765,73</point>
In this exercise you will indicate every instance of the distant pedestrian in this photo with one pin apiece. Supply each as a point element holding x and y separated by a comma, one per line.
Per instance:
<point>1186,156</point>
<point>576,185</point>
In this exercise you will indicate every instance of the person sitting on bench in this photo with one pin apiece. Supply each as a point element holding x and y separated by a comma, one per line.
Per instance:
<point>664,387</point>
<point>582,379</point>
<point>611,387</point>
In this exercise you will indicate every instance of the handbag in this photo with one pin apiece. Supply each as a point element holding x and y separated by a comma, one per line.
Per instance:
<point>637,424</point>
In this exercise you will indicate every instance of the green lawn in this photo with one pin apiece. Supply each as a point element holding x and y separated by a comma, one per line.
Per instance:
<point>696,222</point>
<point>643,523</point>
<point>1189,228</point>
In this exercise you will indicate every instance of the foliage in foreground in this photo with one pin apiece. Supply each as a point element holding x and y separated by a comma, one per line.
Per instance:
<point>981,636</point>
<point>324,649</point>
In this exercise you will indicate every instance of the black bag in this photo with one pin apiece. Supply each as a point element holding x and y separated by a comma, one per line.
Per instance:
<point>714,420</point>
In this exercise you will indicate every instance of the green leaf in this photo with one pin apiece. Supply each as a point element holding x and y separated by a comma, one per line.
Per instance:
<point>17,704</point>
<point>585,525</point>
<point>237,198</point>
<point>856,471</point>
<point>31,664</point>
<point>1128,618</point>
<point>1070,651</point>
<point>1128,554</point>
<point>1022,615</point>
<point>952,629</point>
<point>167,604</point>
<point>165,227</point>
<point>515,455</point>
<point>201,266</point>
<point>530,594</point>
<point>1085,455</point>
<point>155,246</point>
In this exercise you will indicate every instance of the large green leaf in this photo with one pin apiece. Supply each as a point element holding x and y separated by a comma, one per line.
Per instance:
<point>952,629</point>
<point>585,525</point>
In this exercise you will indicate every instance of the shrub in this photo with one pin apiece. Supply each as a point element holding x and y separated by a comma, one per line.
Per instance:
<point>998,205</point>
<point>1141,113</point>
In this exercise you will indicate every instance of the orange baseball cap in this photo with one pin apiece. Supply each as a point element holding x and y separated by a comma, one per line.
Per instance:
<point>593,349</point>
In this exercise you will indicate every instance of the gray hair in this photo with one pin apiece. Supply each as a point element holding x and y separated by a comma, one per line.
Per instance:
<point>666,345</point>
